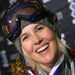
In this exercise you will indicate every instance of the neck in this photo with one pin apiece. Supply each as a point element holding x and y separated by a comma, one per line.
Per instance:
<point>47,67</point>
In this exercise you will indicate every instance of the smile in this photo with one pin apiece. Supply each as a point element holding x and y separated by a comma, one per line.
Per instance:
<point>42,48</point>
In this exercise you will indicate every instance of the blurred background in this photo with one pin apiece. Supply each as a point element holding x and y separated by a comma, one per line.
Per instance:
<point>65,10</point>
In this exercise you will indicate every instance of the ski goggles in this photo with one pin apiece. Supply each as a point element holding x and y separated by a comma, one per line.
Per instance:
<point>29,10</point>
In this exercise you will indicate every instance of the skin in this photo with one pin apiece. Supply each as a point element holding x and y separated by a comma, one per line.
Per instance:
<point>36,36</point>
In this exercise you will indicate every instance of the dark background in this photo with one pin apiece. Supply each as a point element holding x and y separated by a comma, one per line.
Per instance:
<point>65,10</point>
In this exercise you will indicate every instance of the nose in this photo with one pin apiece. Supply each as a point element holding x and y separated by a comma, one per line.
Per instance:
<point>37,39</point>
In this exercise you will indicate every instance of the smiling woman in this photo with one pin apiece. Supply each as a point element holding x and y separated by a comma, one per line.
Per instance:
<point>33,29</point>
<point>42,48</point>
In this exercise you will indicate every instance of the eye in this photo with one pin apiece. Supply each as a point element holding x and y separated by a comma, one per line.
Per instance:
<point>25,37</point>
<point>40,28</point>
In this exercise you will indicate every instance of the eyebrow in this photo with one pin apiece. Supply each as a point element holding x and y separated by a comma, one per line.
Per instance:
<point>23,35</point>
<point>37,25</point>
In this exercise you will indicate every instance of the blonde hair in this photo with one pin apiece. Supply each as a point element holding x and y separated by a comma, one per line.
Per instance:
<point>62,48</point>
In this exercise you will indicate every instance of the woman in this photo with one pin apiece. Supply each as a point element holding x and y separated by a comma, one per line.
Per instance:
<point>33,29</point>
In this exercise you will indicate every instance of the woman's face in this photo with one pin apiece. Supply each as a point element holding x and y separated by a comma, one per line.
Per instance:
<point>39,43</point>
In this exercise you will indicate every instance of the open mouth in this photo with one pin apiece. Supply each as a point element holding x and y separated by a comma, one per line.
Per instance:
<point>43,48</point>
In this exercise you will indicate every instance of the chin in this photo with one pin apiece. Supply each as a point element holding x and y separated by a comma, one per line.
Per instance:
<point>48,60</point>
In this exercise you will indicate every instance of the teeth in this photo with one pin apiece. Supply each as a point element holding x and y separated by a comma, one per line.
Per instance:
<point>42,48</point>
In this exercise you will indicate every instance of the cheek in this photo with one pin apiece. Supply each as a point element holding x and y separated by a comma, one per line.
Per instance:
<point>48,34</point>
<point>27,47</point>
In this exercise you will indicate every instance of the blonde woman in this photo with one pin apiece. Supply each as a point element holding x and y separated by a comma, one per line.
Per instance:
<point>33,29</point>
